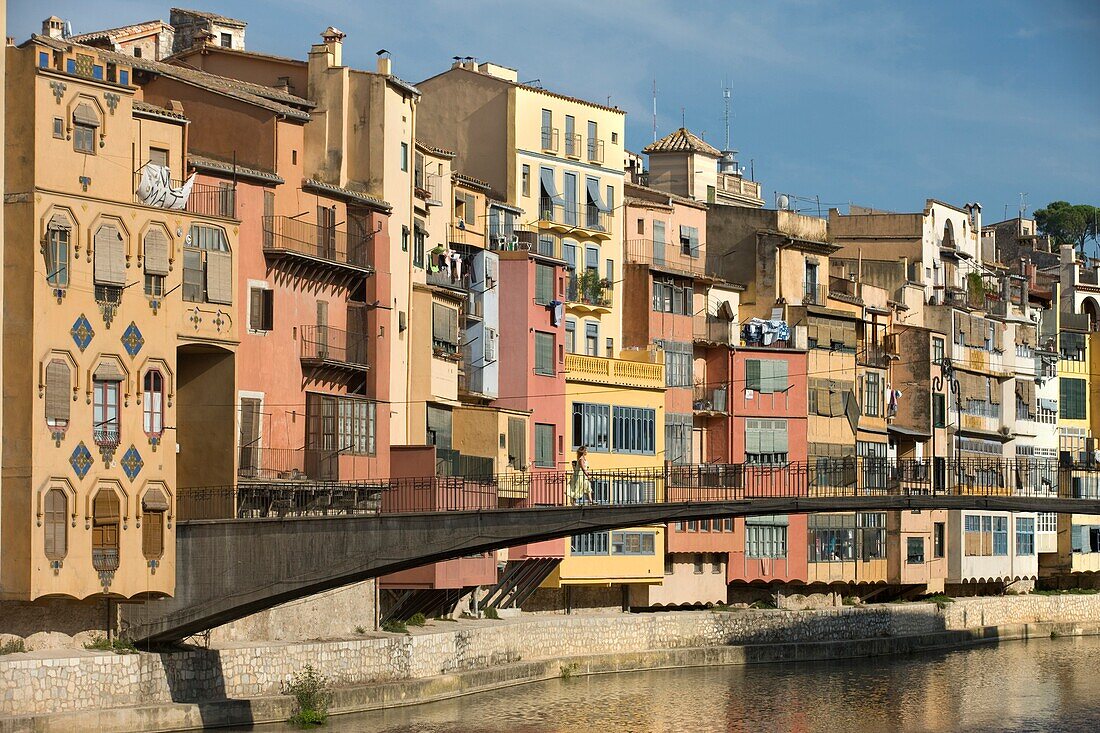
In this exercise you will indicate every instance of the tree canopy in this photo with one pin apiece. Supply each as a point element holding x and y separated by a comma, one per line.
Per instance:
<point>1069,223</point>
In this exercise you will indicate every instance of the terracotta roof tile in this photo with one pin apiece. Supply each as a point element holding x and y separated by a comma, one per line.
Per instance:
<point>682,141</point>
<point>210,16</point>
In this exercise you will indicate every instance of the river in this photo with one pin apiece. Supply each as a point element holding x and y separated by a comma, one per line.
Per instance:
<point>1043,685</point>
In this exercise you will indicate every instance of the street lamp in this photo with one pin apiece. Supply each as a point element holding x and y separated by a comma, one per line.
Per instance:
<point>946,375</point>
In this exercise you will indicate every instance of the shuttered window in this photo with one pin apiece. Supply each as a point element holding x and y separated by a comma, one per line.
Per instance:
<point>105,404</point>
<point>153,402</point>
<point>105,523</point>
<point>491,338</point>
<point>194,290</point>
<point>440,427</point>
<point>156,252</point>
<point>219,277</point>
<point>544,353</point>
<point>1071,398</point>
<point>152,535</point>
<point>58,244</point>
<point>544,284</point>
<point>110,257</point>
<point>517,443</point>
<point>444,327</point>
<point>765,441</point>
<point>766,375</point>
<point>55,524</point>
<point>544,445</point>
<point>261,309</point>
<point>249,441</point>
<point>58,386</point>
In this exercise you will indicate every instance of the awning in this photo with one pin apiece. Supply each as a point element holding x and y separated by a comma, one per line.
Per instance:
<point>154,501</point>
<point>549,188</point>
<point>594,195</point>
<point>907,432</point>
<point>85,115</point>
<point>1051,405</point>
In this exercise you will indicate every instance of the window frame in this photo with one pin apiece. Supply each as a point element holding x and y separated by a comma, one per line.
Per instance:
<point>84,138</point>
<point>152,416</point>
<point>547,369</point>
<point>55,524</point>
<point>107,398</point>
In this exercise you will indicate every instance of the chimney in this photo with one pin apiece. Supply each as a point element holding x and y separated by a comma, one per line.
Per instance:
<point>334,42</point>
<point>385,63</point>
<point>53,27</point>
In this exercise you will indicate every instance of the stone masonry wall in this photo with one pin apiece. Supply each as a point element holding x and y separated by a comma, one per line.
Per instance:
<point>30,685</point>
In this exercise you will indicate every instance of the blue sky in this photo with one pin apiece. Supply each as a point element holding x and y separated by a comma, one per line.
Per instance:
<point>882,104</point>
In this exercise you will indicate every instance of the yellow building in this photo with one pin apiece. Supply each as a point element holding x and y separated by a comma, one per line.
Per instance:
<point>119,331</point>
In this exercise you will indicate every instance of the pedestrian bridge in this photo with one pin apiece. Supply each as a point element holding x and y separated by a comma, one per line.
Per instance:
<point>272,548</point>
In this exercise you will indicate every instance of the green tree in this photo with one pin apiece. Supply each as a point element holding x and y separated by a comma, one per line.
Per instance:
<point>1069,223</point>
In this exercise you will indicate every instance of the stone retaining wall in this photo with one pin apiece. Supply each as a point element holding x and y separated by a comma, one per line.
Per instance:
<point>32,685</point>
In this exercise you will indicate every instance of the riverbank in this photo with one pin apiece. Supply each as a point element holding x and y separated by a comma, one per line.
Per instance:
<point>239,683</point>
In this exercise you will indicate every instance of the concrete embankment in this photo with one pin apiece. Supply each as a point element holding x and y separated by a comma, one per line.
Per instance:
<point>239,684</point>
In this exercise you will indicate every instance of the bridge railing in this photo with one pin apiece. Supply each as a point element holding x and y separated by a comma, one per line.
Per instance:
<point>831,477</point>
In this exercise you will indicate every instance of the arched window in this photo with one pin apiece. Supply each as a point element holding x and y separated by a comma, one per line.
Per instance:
<point>106,386</point>
<point>58,396</point>
<point>58,248</point>
<point>153,505</point>
<point>948,234</point>
<point>105,524</point>
<point>55,526</point>
<point>153,402</point>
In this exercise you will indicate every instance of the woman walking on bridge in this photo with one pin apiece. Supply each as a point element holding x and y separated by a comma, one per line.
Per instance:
<point>580,485</point>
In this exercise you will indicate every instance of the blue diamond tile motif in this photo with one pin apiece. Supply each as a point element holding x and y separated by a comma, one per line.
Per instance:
<point>131,463</point>
<point>132,340</point>
<point>81,460</point>
<point>82,332</point>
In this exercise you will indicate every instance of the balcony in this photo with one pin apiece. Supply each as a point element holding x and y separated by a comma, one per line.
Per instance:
<point>709,400</point>
<point>324,346</point>
<point>256,463</point>
<point>618,372</point>
<point>712,330</point>
<point>105,559</point>
<point>470,235</point>
<point>738,186</point>
<point>550,139</point>
<point>205,199</point>
<point>956,297</point>
<point>872,355</point>
<point>573,145</point>
<point>309,244</point>
<point>453,463</point>
<point>595,150</point>
<point>446,278</point>
<point>572,217</point>
<point>814,293</point>
<point>665,256</point>
<point>587,288</point>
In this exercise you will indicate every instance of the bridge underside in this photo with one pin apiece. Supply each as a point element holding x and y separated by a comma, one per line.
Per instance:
<point>233,568</point>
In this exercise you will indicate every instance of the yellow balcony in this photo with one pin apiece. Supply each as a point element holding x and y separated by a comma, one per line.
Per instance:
<point>618,372</point>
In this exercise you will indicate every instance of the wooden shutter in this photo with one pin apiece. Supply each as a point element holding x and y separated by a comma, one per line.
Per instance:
<point>256,309</point>
<point>152,535</point>
<point>108,371</point>
<point>106,508</point>
<point>356,341</point>
<point>752,374</point>
<point>156,252</point>
<point>56,529</point>
<point>155,500</point>
<point>778,376</point>
<point>58,385</point>
<point>85,114</point>
<point>517,443</point>
<point>219,277</point>
<point>250,432</point>
<point>993,388</point>
<point>110,257</point>
<point>444,324</point>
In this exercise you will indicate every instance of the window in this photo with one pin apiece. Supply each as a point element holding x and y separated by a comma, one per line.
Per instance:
<point>571,335</point>
<point>939,537</point>
<point>765,441</point>
<point>592,338</point>
<point>766,376</point>
<point>55,526</point>
<point>58,242</point>
<point>1000,536</point>
<point>153,507</point>
<point>937,350</point>
<point>444,329</point>
<point>544,445</point>
<point>872,394</point>
<point>939,411</point>
<point>58,395</point>
<point>609,347</point>
<point>571,146</point>
<point>105,406</point>
<point>155,262</point>
<point>544,283</point>
<point>914,554</point>
<point>1071,397</point>
<point>1025,536</point>
<point>525,180</point>
<point>689,241</point>
<point>405,157</point>
<point>159,157</point>
<point>227,40</point>
<point>294,157</point>
<point>1047,522</point>
<point>698,565</point>
<point>594,543</point>
<point>109,267</point>
<point>207,266</point>
<point>84,138</point>
<point>339,424</point>
<point>633,543</point>
<point>633,430</point>
<point>420,235</point>
<point>105,523</point>
<point>544,353</point>
<point>153,403</point>
<point>678,364</point>
<point>404,238</point>
<point>641,226</point>
<point>765,540</point>
<point>137,52</point>
<point>261,309</point>
<point>591,426</point>
<point>549,139</point>
<point>59,128</point>
<point>715,563</point>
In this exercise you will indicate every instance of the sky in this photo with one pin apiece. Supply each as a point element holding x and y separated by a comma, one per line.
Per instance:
<point>875,103</point>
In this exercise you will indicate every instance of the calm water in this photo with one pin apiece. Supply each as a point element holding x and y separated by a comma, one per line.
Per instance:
<point>1037,686</point>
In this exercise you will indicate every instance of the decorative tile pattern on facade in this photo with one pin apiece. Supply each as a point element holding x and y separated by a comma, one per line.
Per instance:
<point>132,340</point>
<point>81,460</point>
<point>82,332</point>
<point>132,463</point>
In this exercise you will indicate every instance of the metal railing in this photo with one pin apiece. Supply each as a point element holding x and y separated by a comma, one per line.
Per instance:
<point>573,145</point>
<point>872,355</point>
<point>446,278</point>
<point>205,199</point>
<point>107,435</point>
<point>670,484</point>
<point>666,255</point>
<point>584,216</point>
<point>328,344</point>
<point>712,330</point>
<point>595,150</point>
<point>550,139</point>
<point>261,463</point>
<point>814,293</point>
<point>283,234</point>
<point>709,399</point>
<point>104,559</point>
<point>450,462</point>
<point>589,291</point>
<point>956,297</point>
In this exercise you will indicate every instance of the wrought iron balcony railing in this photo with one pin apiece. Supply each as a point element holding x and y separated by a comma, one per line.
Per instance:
<point>284,235</point>
<point>328,345</point>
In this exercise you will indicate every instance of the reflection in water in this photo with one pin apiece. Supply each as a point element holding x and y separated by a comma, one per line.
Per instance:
<point>1042,685</point>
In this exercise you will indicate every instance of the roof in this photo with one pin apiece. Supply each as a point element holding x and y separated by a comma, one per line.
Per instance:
<point>471,181</point>
<point>213,165</point>
<point>201,48</point>
<point>142,107</point>
<point>211,16</point>
<point>434,150</point>
<point>682,141</point>
<point>395,80</point>
<point>345,193</point>
<point>671,197</point>
<point>530,88</point>
<point>268,98</point>
<point>125,30</point>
